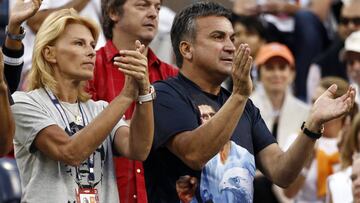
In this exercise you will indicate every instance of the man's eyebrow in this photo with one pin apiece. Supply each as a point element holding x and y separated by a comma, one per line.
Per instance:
<point>217,32</point>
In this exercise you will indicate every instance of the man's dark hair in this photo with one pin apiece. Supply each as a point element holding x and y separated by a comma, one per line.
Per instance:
<point>252,23</point>
<point>184,25</point>
<point>107,7</point>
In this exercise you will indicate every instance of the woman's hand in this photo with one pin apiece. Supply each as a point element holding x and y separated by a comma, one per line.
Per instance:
<point>133,63</point>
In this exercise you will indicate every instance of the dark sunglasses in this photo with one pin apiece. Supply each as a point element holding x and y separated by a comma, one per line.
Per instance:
<point>346,21</point>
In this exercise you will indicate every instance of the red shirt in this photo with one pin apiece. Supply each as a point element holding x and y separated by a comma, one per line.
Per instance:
<point>107,83</point>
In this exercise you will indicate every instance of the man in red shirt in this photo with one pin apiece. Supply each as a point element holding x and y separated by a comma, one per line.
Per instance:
<point>124,22</point>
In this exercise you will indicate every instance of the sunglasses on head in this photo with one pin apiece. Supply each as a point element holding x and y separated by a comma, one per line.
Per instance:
<point>346,21</point>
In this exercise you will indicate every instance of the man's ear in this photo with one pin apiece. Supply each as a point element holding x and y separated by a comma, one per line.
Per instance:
<point>49,54</point>
<point>186,50</point>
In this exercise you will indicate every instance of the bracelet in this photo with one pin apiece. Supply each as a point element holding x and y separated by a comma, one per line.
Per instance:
<point>17,37</point>
<point>147,97</point>
<point>310,134</point>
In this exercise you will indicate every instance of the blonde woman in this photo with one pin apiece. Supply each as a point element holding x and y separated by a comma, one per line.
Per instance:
<point>339,184</point>
<point>64,142</point>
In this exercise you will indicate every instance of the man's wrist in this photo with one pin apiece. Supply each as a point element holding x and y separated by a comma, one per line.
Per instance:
<point>145,89</point>
<point>14,27</point>
<point>313,125</point>
<point>149,96</point>
<point>313,131</point>
<point>15,32</point>
<point>240,98</point>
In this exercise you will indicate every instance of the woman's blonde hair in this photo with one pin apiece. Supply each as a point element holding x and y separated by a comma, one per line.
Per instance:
<point>42,73</point>
<point>351,143</point>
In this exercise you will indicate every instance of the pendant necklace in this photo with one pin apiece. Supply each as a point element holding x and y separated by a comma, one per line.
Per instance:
<point>76,114</point>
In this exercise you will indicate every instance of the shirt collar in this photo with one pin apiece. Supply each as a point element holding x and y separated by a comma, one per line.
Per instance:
<point>111,51</point>
<point>153,60</point>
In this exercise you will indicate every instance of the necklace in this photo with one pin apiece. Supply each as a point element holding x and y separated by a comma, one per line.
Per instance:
<point>74,111</point>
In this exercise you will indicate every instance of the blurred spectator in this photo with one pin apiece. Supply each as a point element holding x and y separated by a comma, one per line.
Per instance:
<point>339,184</point>
<point>329,63</point>
<point>281,111</point>
<point>310,185</point>
<point>274,97</point>
<point>352,60</point>
<point>355,178</point>
<point>10,68</point>
<point>250,30</point>
<point>300,25</point>
<point>161,44</point>
<point>4,14</point>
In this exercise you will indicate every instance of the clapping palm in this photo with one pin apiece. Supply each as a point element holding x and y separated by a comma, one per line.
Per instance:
<point>327,108</point>
<point>242,83</point>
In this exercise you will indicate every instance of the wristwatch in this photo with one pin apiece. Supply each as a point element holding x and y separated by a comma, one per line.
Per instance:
<point>147,97</point>
<point>17,37</point>
<point>312,135</point>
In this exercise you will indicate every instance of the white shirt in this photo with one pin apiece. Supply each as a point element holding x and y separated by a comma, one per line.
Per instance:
<point>339,185</point>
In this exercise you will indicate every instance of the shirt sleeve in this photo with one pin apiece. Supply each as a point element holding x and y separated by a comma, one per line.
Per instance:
<point>13,64</point>
<point>119,124</point>
<point>262,136</point>
<point>30,119</point>
<point>172,114</point>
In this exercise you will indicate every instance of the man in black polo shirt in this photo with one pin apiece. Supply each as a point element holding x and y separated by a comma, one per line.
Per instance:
<point>210,137</point>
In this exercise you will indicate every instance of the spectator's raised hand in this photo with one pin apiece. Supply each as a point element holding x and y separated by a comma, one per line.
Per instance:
<point>23,10</point>
<point>242,83</point>
<point>327,108</point>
